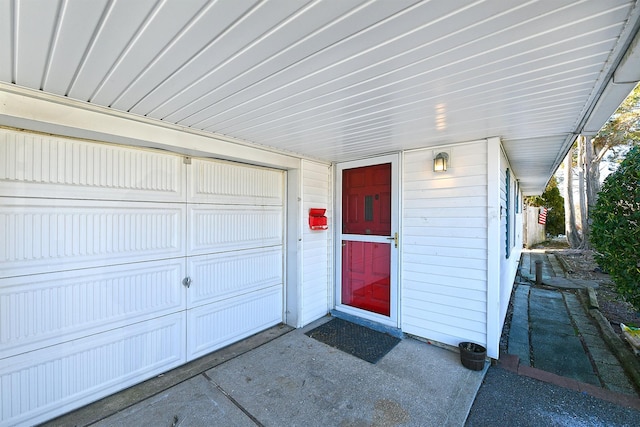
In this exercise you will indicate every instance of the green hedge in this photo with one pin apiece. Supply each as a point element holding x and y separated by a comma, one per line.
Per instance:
<point>615,229</point>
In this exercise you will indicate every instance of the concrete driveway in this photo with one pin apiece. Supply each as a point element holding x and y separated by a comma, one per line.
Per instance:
<point>295,380</point>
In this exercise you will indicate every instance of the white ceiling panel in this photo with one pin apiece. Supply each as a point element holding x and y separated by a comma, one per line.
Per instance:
<point>121,22</point>
<point>187,45</point>
<point>227,47</point>
<point>77,23</point>
<point>244,44</point>
<point>169,19</point>
<point>304,63</point>
<point>336,79</point>
<point>33,41</point>
<point>7,43</point>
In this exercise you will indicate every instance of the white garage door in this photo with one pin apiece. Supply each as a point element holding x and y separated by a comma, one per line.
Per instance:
<point>235,253</point>
<point>95,241</point>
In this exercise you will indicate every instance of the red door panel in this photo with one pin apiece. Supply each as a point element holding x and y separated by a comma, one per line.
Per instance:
<point>366,210</point>
<point>366,276</point>
<point>366,200</point>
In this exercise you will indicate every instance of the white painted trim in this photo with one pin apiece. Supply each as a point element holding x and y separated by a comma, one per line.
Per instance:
<point>333,255</point>
<point>394,318</point>
<point>28,109</point>
<point>441,146</point>
<point>293,308</point>
<point>493,247</point>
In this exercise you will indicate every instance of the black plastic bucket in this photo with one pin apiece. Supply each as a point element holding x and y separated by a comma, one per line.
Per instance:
<point>472,355</point>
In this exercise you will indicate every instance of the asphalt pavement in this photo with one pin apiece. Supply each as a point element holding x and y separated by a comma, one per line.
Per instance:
<point>506,398</point>
<point>561,366</point>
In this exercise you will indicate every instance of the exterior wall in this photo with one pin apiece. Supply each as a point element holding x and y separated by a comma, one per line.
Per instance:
<point>444,245</point>
<point>511,216</point>
<point>317,262</point>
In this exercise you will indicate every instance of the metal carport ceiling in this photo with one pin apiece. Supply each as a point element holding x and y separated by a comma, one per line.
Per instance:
<point>337,80</point>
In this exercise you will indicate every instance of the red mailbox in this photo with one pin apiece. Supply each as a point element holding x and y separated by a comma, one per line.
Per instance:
<point>317,220</point>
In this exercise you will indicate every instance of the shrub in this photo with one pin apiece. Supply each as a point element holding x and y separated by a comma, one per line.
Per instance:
<point>615,230</point>
<point>552,199</point>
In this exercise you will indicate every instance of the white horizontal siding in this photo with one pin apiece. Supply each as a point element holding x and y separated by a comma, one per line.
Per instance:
<point>316,244</point>
<point>444,245</point>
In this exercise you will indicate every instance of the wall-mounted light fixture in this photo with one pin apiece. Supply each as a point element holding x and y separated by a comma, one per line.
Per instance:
<point>440,162</point>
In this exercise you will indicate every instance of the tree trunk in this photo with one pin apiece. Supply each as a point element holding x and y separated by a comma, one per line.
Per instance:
<point>593,178</point>
<point>592,168</point>
<point>573,237</point>
<point>583,167</point>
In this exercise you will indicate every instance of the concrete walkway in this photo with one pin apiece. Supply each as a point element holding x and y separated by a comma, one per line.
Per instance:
<point>282,377</point>
<point>552,331</point>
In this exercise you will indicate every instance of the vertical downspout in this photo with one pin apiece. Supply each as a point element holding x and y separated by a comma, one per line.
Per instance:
<point>493,247</point>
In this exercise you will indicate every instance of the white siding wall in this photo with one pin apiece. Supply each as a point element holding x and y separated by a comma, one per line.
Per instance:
<point>444,243</point>
<point>316,244</point>
<point>509,264</point>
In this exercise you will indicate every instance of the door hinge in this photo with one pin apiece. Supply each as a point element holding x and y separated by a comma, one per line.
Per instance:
<point>186,282</point>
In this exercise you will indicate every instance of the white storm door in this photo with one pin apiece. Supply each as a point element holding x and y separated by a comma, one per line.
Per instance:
<point>367,240</point>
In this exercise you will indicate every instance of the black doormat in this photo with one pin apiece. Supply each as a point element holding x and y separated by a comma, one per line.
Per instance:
<point>356,340</point>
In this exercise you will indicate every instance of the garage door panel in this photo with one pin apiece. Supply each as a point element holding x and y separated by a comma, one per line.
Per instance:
<point>221,276</point>
<point>74,169</point>
<point>216,325</point>
<point>95,240</point>
<point>215,229</point>
<point>47,235</point>
<point>42,384</point>
<point>48,309</point>
<point>219,182</point>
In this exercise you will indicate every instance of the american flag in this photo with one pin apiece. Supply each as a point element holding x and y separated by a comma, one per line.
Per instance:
<point>542,216</point>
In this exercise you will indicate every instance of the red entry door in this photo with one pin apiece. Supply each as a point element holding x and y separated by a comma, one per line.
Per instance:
<point>366,261</point>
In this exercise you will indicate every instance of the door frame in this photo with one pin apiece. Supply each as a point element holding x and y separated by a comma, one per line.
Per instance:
<point>394,317</point>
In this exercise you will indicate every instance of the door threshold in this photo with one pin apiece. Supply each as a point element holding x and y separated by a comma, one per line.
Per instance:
<point>386,329</point>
